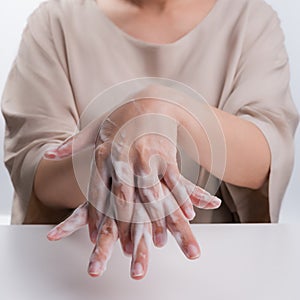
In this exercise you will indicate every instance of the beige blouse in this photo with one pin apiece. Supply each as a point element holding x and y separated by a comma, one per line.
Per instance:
<point>71,51</point>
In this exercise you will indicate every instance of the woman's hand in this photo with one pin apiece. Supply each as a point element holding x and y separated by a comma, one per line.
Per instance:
<point>135,159</point>
<point>104,238</point>
<point>104,234</point>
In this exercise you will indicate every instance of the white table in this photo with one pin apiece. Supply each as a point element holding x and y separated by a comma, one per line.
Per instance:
<point>238,262</point>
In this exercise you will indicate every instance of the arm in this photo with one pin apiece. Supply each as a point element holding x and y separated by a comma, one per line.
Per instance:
<point>247,151</point>
<point>55,184</point>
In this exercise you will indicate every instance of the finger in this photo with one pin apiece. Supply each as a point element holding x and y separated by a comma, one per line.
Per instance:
<point>148,183</point>
<point>94,220</point>
<point>125,237</point>
<point>200,197</point>
<point>172,178</point>
<point>152,198</point>
<point>107,237</point>
<point>98,190</point>
<point>122,191</point>
<point>159,233</point>
<point>147,162</point>
<point>122,198</point>
<point>184,190</point>
<point>180,228</point>
<point>77,220</point>
<point>82,140</point>
<point>62,151</point>
<point>141,236</point>
<point>157,213</point>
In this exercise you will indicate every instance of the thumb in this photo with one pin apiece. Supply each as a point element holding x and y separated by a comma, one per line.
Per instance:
<point>62,151</point>
<point>76,143</point>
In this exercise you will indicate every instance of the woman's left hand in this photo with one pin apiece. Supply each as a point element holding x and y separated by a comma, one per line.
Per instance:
<point>104,234</point>
<point>136,149</point>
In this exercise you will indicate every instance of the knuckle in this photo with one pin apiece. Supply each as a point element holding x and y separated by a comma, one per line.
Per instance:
<point>141,147</point>
<point>142,255</point>
<point>176,220</point>
<point>123,173</point>
<point>172,175</point>
<point>101,151</point>
<point>100,254</point>
<point>151,194</point>
<point>107,129</point>
<point>127,193</point>
<point>106,230</point>
<point>159,227</point>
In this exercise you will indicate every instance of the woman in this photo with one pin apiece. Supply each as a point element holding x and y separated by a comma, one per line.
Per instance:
<point>231,52</point>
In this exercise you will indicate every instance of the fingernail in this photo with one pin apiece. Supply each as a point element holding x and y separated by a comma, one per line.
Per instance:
<point>190,213</point>
<point>193,251</point>
<point>95,269</point>
<point>216,202</point>
<point>52,233</point>
<point>137,270</point>
<point>50,155</point>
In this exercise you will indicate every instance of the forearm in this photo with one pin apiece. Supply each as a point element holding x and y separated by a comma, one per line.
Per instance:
<point>55,184</point>
<point>247,152</point>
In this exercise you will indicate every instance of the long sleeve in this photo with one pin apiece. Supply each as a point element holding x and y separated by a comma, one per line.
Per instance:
<point>38,106</point>
<point>261,95</point>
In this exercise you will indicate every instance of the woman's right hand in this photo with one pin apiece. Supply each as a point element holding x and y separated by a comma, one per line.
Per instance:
<point>104,233</point>
<point>130,162</point>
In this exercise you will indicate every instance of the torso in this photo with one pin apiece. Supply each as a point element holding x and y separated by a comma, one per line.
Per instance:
<point>96,57</point>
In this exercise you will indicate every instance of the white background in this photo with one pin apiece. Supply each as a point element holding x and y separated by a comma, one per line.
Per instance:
<point>13,15</point>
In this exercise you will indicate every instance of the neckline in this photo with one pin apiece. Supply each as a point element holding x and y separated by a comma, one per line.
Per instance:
<point>142,43</point>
